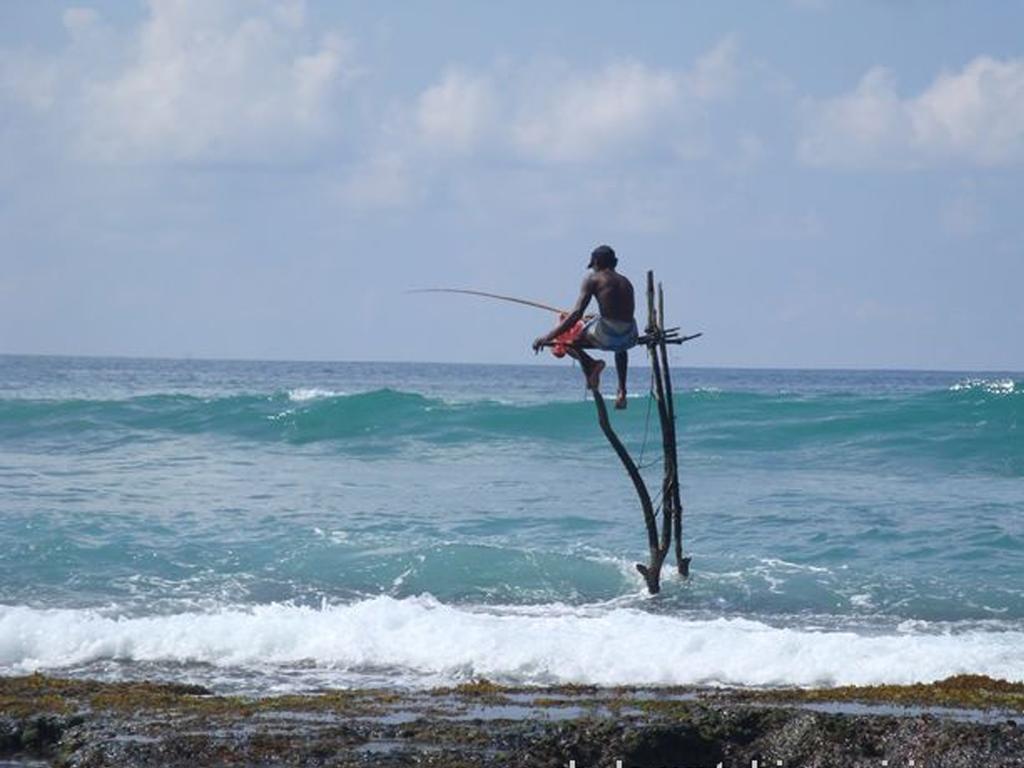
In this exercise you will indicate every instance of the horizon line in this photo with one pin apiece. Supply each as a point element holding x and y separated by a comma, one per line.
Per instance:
<point>203,359</point>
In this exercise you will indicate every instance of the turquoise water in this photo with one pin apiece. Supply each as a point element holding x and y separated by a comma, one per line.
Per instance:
<point>268,526</point>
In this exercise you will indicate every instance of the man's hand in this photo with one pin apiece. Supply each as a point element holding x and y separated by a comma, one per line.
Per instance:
<point>539,342</point>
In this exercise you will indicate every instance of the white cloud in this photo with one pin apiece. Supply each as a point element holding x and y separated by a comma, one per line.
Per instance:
<point>979,112</point>
<point>544,112</point>
<point>197,80</point>
<point>454,113</point>
<point>582,116</point>
<point>975,116</point>
<point>715,74</point>
<point>215,78</point>
<point>548,115</point>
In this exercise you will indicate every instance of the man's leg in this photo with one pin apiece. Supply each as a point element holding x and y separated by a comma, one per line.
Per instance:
<point>621,367</point>
<point>591,368</point>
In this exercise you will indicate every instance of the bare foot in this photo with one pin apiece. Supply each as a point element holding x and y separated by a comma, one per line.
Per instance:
<point>594,375</point>
<point>620,401</point>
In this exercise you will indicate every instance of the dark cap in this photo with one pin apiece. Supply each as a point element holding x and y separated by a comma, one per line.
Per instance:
<point>602,256</point>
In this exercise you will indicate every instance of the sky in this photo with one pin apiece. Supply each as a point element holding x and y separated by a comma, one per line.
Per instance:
<point>816,183</point>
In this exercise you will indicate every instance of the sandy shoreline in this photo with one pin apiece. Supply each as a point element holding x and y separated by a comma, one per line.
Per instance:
<point>965,721</point>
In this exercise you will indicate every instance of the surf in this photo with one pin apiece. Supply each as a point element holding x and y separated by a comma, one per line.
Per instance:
<point>968,424</point>
<point>420,641</point>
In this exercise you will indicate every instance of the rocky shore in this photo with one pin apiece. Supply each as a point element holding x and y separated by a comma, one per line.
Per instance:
<point>963,722</point>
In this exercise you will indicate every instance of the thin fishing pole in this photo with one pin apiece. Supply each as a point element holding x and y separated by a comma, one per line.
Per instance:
<point>513,299</point>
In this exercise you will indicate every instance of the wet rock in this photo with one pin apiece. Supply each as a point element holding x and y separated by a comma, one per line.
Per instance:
<point>83,724</point>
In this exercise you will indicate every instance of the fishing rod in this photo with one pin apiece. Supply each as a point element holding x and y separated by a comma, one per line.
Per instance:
<point>485,294</point>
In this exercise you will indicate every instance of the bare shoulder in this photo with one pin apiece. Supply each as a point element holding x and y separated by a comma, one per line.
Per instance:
<point>607,281</point>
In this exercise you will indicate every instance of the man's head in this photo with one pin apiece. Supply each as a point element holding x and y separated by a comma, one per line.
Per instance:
<point>602,257</point>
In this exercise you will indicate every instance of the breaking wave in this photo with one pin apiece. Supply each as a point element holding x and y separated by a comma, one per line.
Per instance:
<point>970,422</point>
<point>424,642</point>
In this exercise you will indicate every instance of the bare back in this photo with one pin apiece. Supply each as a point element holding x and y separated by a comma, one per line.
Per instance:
<point>614,294</point>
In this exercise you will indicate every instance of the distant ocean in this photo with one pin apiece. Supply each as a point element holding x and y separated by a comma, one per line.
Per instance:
<point>272,526</point>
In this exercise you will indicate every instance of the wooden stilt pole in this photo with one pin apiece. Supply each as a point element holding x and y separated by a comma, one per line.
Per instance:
<point>656,338</point>
<point>682,563</point>
<point>645,503</point>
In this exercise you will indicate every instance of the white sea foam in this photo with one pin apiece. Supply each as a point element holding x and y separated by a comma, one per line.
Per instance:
<point>862,600</point>
<point>774,562</point>
<point>420,639</point>
<point>302,394</point>
<point>992,386</point>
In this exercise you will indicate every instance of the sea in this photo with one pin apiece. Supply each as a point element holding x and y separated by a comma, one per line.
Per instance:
<point>264,527</point>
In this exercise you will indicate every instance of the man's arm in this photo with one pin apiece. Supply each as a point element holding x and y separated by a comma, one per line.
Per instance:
<point>586,293</point>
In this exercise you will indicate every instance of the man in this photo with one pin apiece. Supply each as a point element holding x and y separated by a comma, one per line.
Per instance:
<point>614,330</point>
